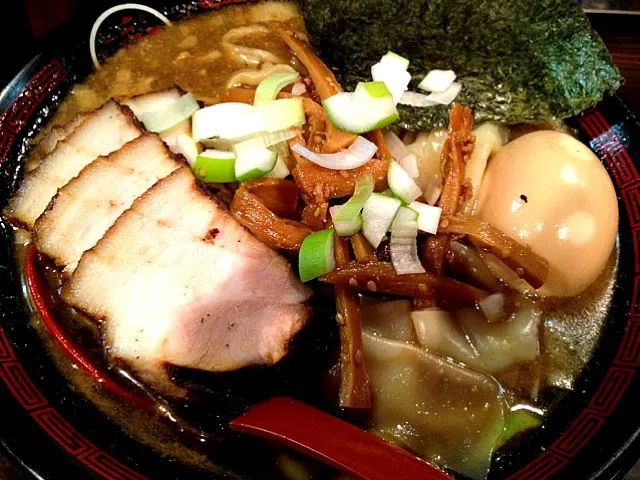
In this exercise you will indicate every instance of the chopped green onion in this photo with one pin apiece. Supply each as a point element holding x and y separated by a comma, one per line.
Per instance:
<point>404,242</point>
<point>316,255</point>
<point>229,120</point>
<point>428,217</point>
<point>395,60</point>
<point>270,87</point>
<point>345,228</point>
<point>169,116</point>
<point>394,77</point>
<point>347,219</point>
<point>215,166</point>
<point>280,170</point>
<point>254,163</point>
<point>388,193</point>
<point>254,159</point>
<point>370,107</point>
<point>265,140</point>
<point>401,183</point>
<point>187,148</point>
<point>517,422</point>
<point>282,114</point>
<point>377,214</point>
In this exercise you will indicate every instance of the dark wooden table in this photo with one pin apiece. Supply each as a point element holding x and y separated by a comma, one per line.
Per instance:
<point>621,33</point>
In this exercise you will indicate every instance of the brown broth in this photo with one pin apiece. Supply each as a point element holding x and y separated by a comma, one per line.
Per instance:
<point>189,55</point>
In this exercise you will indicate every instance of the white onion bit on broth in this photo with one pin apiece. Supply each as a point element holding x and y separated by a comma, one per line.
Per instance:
<point>111,11</point>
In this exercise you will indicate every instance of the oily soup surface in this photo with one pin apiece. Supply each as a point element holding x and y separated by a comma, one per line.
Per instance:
<point>199,55</point>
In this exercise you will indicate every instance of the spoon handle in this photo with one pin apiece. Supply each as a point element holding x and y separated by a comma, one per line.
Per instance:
<point>333,441</point>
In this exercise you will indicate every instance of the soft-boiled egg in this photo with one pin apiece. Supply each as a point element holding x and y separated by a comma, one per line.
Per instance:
<point>549,191</point>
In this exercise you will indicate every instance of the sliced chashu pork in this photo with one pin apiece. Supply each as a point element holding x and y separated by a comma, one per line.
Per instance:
<point>156,101</point>
<point>102,132</point>
<point>176,280</point>
<point>87,206</point>
<point>50,140</point>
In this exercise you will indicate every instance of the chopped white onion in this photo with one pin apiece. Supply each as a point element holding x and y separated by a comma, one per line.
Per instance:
<point>299,89</point>
<point>402,154</point>
<point>357,155</point>
<point>448,96</point>
<point>415,99</point>
<point>437,80</point>
<point>432,194</point>
<point>410,165</point>
<point>397,149</point>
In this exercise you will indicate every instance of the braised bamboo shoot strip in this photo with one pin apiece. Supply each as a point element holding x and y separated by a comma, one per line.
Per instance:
<point>528,265</point>
<point>273,231</point>
<point>318,185</point>
<point>326,86</point>
<point>279,196</point>
<point>354,385</point>
<point>382,278</point>
<point>363,250</point>
<point>454,153</point>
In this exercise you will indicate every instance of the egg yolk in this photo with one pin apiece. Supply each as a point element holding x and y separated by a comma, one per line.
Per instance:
<point>549,191</point>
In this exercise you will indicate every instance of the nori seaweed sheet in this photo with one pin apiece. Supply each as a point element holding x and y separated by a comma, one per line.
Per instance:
<point>518,62</point>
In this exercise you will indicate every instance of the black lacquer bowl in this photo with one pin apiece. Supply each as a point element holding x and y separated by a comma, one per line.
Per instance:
<point>55,433</point>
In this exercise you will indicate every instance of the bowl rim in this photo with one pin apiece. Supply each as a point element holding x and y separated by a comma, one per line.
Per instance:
<point>41,83</point>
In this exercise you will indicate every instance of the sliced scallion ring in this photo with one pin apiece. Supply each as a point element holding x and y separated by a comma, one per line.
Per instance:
<point>215,166</point>
<point>280,170</point>
<point>254,163</point>
<point>270,87</point>
<point>377,215</point>
<point>229,120</point>
<point>316,255</point>
<point>396,79</point>
<point>404,242</point>
<point>370,107</point>
<point>174,113</point>
<point>347,219</point>
<point>395,60</point>
<point>282,114</point>
<point>401,183</point>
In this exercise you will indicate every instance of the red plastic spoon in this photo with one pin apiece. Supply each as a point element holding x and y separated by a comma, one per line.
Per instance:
<point>333,441</point>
